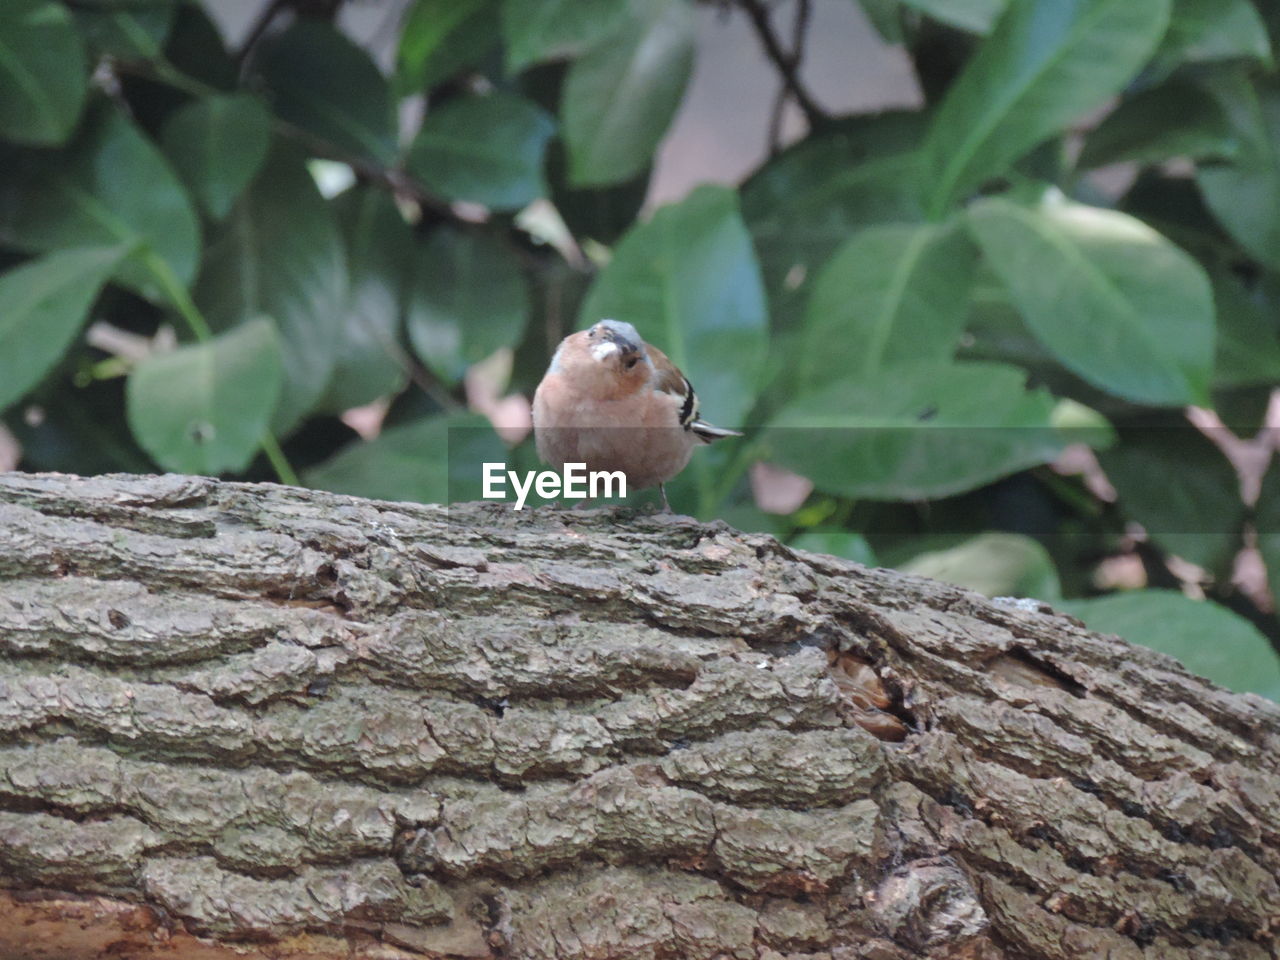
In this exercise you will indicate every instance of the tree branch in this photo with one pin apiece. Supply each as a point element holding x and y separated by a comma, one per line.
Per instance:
<point>340,727</point>
<point>799,30</point>
<point>787,63</point>
<point>266,16</point>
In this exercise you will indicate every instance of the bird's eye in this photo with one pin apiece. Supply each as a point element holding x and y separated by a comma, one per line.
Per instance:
<point>632,362</point>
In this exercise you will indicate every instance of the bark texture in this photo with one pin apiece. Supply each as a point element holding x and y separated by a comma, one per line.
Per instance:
<point>243,720</point>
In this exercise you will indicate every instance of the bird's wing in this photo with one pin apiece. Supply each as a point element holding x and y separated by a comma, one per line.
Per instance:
<point>708,432</point>
<point>667,378</point>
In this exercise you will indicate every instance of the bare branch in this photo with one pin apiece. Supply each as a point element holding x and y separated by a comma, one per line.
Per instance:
<point>265,18</point>
<point>787,63</point>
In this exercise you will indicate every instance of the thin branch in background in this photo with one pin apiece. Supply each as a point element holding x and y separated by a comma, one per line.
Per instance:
<point>320,9</point>
<point>787,63</point>
<point>265,18</point>
<point>776,114</point>
<point>421,376</point>
<point>398,182</point>
<point>800,29</point>
<point>799,32</point>
<point>1155,562</point>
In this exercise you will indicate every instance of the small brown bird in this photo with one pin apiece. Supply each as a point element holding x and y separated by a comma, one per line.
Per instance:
<point>614,402</point>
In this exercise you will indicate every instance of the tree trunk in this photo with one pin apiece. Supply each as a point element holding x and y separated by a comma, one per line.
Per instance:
<point>248,720</point>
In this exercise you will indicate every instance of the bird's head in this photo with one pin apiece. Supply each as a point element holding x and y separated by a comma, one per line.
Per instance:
<point>609,359</point>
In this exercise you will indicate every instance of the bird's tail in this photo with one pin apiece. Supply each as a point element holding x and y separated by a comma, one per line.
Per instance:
<point>707,433</point>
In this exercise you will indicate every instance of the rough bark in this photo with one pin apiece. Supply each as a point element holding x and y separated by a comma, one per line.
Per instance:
<point>259,721</point>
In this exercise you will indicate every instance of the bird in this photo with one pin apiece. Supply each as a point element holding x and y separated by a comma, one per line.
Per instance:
<point>614,402</point>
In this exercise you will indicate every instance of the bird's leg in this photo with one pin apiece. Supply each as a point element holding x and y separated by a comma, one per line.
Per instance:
<point>662,489</point>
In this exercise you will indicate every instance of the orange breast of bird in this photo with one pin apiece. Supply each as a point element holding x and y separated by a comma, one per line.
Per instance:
<point>638,434</point>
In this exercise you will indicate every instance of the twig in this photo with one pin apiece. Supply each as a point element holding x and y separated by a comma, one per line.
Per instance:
<point>402,184</point>
<point>1155,561</point>
<point>264,20</point>
<point>776,113</point>
<point>799,30</point>
<point>425,379</point>
<point>391,179</point>
<point>787,63</point>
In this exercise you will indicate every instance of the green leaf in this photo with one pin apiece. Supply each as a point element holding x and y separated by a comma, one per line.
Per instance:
<point>1046,63</point>
<point>976,16</point>
<point>279,255</point>
<point>1243,409</point>
<point>993,564</point>
<point>204,408</point>
<point>197,49</point>
<point>109,187</point>
<point>118,4</point>
<point>434,460</point>
<point>1266,520</point>
<point>1248,350</point>
<point>997,332</point>
<point>886,17</point>
<point>43,305</point>
<point>1195,509</point>
<point>43,73</point>
<point>619,97</point>
<point>217,145</point>
<point>1203,31</point>
<point>534,31</point>
<point>136,33</point>
<point>1175,119</point>
<point>1174,206</point>
<point>1244,194</point>
<point>851,546</point>
<point>370,363</point>
<point>893,293</point>
<point>916,431</point>
<point>809,199</point>
<point>320,81</point>
<point>432,34</point>
<point>689,282</point>
<point>469,298</point>
<point>1083,424</point>
<point>1209,639</point>
<point>82,429</point>
<point>602,214</point>
<point>484,149</point>
<point>1118,304</point>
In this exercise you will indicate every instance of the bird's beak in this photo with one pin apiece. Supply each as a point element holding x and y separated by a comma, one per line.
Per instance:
<point>624,345</point>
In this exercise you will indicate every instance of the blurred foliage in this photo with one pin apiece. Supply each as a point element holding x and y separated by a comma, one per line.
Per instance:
<point>979,351</point>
